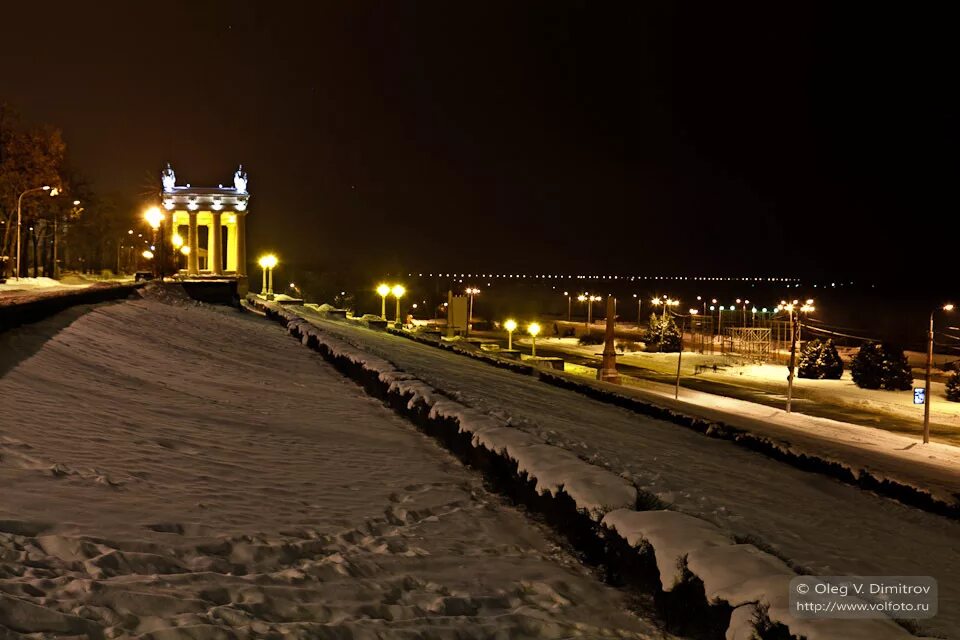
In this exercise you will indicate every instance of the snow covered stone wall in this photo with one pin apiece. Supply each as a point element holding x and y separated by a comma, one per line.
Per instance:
<point>24,309</point>
<point>741,586</point>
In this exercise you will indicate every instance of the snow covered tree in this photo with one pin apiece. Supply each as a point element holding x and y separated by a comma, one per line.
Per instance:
<point>881,366</point>
<point>819,360</point>
<point>897,374</point>
<point>953,387</point>
<point>662,334</point>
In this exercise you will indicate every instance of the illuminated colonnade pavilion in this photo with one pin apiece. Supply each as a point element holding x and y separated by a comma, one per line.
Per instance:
<point>210,223</point>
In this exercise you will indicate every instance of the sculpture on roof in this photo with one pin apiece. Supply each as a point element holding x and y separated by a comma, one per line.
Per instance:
<point>240,180</point>
<point>169,178</point>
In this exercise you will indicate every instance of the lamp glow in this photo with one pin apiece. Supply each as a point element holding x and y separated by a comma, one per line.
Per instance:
<point>154,217</point>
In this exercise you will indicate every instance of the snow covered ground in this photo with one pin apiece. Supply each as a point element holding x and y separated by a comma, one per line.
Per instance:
<point>893,410</point>
<point>817,524</point>
<point>172,470</point>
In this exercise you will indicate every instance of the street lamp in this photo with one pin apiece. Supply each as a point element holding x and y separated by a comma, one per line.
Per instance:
<point>155,218</point>
<point>383,290</point>
<point>510,326</point>
<point>398,291</point>
<point>533,329</point>
<point>267,263</point>
<point>569,305</point>
<point>793,308</point>
<point>471,292</point>
<point>53,192</point>
<point>926,386</point>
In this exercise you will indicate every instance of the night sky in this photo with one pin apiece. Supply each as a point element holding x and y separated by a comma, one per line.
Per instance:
<point>721,139</point>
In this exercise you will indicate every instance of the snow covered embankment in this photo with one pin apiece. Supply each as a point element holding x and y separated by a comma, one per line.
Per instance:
<point>704,576</point>
<point>899,482</point>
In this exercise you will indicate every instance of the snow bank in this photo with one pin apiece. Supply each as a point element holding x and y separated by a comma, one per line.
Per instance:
<point>739,575</point>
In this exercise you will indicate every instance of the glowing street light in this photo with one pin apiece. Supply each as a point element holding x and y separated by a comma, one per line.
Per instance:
<point>147,254</point>
<point>267,263</point>
<point>510,326</point>
<point>794,309</point>
<point>471,292</point>
<point>398,291</point>
<point>926,386</point>
<point>154,217</point>
<point>383,290</point>
<point>533,329</point>
<point>53,192</point>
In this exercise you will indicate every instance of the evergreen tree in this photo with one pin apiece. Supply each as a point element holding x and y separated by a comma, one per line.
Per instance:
<point>897,375</point>
<point>881,366</point>
<point>819,360</point>
<point>953,387</point>
<point>662,334</point>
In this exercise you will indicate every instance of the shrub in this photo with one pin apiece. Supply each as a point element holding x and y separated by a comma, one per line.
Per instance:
<point>881,366</point>
<point>591,338</point>
<point>819,360</point>
<point>953,387</point>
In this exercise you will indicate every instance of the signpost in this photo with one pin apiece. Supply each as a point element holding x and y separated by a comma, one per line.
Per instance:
<point>919,395</point>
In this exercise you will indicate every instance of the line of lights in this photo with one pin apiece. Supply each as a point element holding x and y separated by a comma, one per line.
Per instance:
<point>549,276</point>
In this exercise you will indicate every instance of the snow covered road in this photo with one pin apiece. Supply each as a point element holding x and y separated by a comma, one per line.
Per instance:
<point>178,471</point>
<point>816,523</point>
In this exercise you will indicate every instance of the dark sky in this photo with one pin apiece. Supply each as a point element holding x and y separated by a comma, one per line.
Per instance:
<point>724,138</point>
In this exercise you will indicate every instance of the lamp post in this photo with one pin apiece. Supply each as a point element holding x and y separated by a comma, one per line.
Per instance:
<point>510,326</point>
<point>53,192</point>
<point>177,241</point>
<point>533,329</point>
<point>639,315</point>
<point>398,291</point>
<point>471,292</point>
<point>267,263</point>
<point>155,218</point>
<point>926,385</point>
<point>569,305</point>
<point>383,290</point>
<point>795,328</point>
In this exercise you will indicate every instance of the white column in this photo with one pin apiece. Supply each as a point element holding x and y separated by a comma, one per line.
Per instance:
<point>216,250</point>
<point>193,260</point>
<point>241,243</point>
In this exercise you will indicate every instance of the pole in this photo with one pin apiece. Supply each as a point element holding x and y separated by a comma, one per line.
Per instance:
<point>397,323</point>
<point>639,326</point>
<point>676,390</point>
<point>569,309</point>
<point>470,315</point>
<point>509,340</point>
<point>17,265</point>
<point>53,267</point>
<point>270,281</point>
<point>533,347</point>
<point>383,307</point>
<point>926,386</point>
<point>793,357</point>
<point>589,312</point>
<point>263,287</point>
